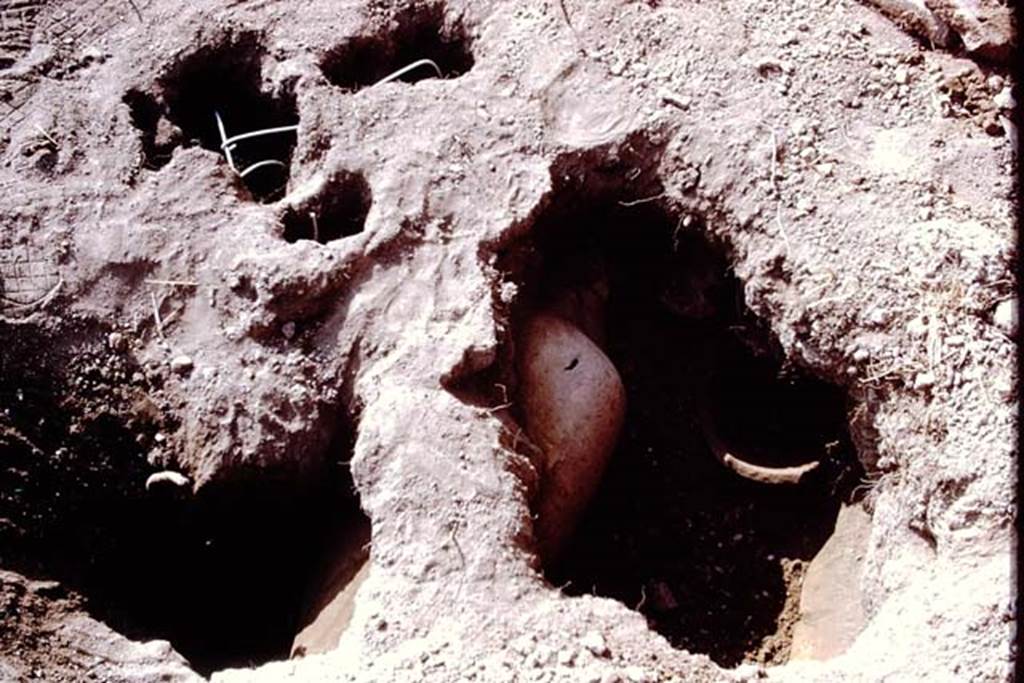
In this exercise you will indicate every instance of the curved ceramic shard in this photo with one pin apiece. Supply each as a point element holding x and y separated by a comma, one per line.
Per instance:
<point>574,405</point>
<point>744,468</point>
<point>329,606</point>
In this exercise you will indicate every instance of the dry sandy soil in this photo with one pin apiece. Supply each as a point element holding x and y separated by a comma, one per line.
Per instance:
<point>805,211</point>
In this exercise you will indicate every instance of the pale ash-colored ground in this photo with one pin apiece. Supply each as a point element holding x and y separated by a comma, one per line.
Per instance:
<point>870,223</point>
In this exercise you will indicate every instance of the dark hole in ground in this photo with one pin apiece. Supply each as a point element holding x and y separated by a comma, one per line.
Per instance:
<point>711,559</point>
<point>146,114</point>
<point>338,211</point>
<point>224,576</point>
<point>225,79</point>
<point>416,32</point>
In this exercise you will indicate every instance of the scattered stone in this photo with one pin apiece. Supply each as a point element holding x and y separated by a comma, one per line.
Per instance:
<point>637,675</point>
<point>167,477</point>
<point>789,39</point>
<point>769,67</point>
<point>918,327</point>
<point>681,101</point>
<point>1004,99</point>
<point>1005,317</point>
<point>540,657</point>
<point>181,365</point>
<point>861,355</point>
<point>611,677</point>
<point>566,658</point>
<point>288,330</point>
<point>876,317</point>
<point>924,380</point>
<point>994,127</point>
<point>523,644</point>
<point>902,76</point>
<point>595,644</point>
<point>117,341</point>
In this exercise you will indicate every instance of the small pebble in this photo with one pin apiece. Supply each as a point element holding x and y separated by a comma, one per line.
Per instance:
<point>902,76</point>
<point>1004,99</point>
<point>637,675</point>
<point>116,341</point>
<point>861,355</point>
<point>995,82</point>
<point>1005,317</point>
<point>540,657</point>
<point>876,317</point>
<point>181,365</point>
<point>595,644</point>
<point>924,380</point>
<point>288,330</point>
<point>918,327</point>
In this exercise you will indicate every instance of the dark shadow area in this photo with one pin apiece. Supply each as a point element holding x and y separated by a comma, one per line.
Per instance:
<point>338,211</point>
<point>224,576</point>
<point>416,32</point>
<point>702,552</point>
<point>222,79</point>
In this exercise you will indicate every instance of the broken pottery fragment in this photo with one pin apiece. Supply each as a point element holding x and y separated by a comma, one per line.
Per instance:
<point>330,605</point>
<point>831,613</point>
<point>574,405</point>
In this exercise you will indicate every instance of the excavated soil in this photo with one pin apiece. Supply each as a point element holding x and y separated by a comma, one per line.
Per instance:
<point>263,278</point>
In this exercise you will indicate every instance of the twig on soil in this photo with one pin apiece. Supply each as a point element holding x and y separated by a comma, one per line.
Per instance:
<point>135,7</point>
<point>643,201</point>
<point>879,375</point>
<point>778,192</point>
<point>643,597</point>
<point>46,135</point>
<point>568,21</point>
<point>156,317</point>
<point>458,548</point>
<point>173,283</point>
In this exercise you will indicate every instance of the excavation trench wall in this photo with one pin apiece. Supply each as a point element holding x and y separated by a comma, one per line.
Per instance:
<point>867,232</point>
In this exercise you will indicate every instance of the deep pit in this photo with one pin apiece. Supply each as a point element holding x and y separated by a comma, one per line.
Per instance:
<point>226,80</point>
<point>339,210</point>
<point>714,560</point>
<point>227,576</point>
<point>416,33</point>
